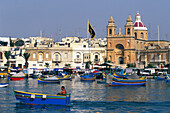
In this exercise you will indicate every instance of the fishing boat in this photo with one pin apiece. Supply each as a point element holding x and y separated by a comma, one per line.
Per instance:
<point>4,84</point>
<point>117,75</point>
<point>160,77</point>
<point>17,76</point>
<point>123,82</point>
<point>49,80</point>
<point>42,99</point>
<point>87,77</point>
<point>65,77</point>
<point>101,81</point>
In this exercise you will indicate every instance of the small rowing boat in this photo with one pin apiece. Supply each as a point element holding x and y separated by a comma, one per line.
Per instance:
<point>42,99</point>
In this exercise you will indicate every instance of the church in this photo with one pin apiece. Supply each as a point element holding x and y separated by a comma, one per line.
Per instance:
<point>133,47</point>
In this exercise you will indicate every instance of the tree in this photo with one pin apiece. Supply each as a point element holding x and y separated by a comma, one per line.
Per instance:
<point>130,65</point>
<point>68,65</point>
<point>150,66</point>
<point>47,64</point>
<point>26,57</point>
<point>7,56</point>
<point>19,43</point>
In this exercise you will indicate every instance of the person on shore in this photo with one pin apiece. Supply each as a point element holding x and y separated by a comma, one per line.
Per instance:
<point>63,92</point>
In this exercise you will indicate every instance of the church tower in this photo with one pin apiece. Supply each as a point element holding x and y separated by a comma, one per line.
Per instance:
<point>141,31</point>
<point>129,27</point>
<point>111,28</point>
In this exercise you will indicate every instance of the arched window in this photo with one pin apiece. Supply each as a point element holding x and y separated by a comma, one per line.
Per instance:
<point>110,31</point>
<point>110,44</point>
<point>128,31</point>
<point>40,57</point>
<point>135,35</point>
<point>141,36</point>
<point>110,58</point>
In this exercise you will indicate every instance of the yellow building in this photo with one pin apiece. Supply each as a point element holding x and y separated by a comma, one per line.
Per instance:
<point>131,47</point>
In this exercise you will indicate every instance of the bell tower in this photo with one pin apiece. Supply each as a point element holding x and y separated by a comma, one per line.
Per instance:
<point>129,27</point>
<point>111,28</point>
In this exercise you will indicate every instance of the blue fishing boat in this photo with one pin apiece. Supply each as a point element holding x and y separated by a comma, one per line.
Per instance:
<point>42,99</point>
<point>117,75</point>
<point>46,80</point>
<point>87,77</point>
<point>124,82</point>
<point>161,77</point>
<point>4,84</point>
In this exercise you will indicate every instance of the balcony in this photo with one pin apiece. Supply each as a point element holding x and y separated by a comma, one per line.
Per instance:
<point>11,59</point>
<point>41,61</point>
<point>96,61</point>
<point>56,61</point>
<point>157,61</point>
<point>77,60</point>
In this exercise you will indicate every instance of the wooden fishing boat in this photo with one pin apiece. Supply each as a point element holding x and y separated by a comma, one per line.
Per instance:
<point>125,82</point>
<point>161,77</point>
<point>44,80</point>
<point>101,81</point>
<point>43,99</point>
<point>117,75</point>
<point>4,84</point>
<point>87,79</point>
<point>66,77</point>
<point>18,76</point>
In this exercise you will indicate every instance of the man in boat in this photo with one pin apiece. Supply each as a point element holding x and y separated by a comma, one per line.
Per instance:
<point>63,92</point>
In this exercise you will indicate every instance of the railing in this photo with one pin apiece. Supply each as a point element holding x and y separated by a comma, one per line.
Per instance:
<point>77,60</point>
<point>40,61</point>
<point>56,61</point>
<point>157,60</point>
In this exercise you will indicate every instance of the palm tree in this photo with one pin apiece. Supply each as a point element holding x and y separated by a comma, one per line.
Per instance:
<point>7,55</point>
<point>47,64</point>
<point>26,57</point>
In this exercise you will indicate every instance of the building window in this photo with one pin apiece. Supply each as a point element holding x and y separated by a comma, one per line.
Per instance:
<point>66,55</point>
<point>110,31</point>
<point>135,35</point>
<point>1,55</point>
<point>34,55</point>
<point>56,57</point>
<point>40,57</point>
<point>128,31</point>
<point>78,56</point>
<point>84,46</point>
<point>40,64</point>
<point>110,44</point>
<point>34,65</point>
<point>47,55</point>
<point>141,36</point>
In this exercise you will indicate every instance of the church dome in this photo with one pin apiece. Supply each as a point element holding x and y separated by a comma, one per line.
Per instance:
<point>138,25</point>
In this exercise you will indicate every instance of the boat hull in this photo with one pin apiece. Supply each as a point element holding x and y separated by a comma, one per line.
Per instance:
<point>87,79</point>
<point>48,81</point>
<point>16,78</point>
<point>116,83</point>
<point>42,99</point>
<point>4,84</point>
<point>143,79</point>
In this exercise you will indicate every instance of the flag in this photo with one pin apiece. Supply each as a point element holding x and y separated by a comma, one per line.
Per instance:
<point>91,31</point>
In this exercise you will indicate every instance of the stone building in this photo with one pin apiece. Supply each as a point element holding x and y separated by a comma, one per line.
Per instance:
<point>133,47</point>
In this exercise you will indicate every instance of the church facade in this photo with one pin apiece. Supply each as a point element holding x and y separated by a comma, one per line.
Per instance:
<point>133,47</point>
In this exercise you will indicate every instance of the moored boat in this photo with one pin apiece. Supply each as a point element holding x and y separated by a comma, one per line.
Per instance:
<point>18,76</point>
<point>4,84</point>
<point>124,82</point>
<point>42,99</point>
<point>48,80</point>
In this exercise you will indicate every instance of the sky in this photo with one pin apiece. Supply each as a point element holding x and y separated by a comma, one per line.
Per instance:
<point>62,18</point>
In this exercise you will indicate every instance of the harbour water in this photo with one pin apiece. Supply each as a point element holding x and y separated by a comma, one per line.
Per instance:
<point>91,97</point>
